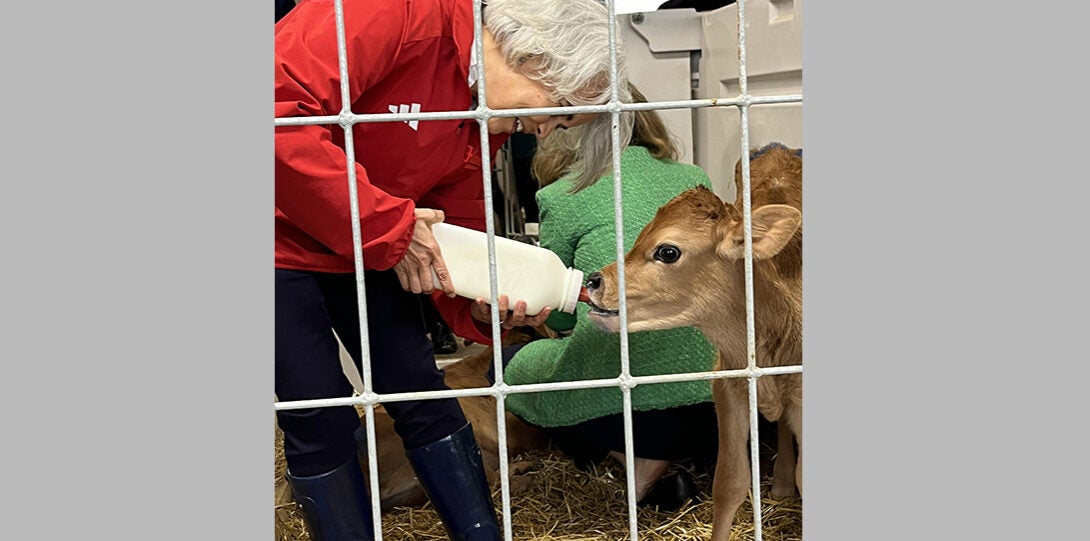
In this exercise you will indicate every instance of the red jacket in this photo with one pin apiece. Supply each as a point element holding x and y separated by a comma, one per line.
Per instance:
<point>402,57</point>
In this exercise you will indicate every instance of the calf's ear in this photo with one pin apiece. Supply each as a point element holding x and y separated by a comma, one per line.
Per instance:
<point>773,227</point>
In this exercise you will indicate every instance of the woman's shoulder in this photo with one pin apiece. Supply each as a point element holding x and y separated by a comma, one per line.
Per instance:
<point>666,175</point>
<point>559,193</point>
<point>561,185</point>
<point>638,165</point>
<point>687,169</point>
<point>641,156</point>
<point>553,195</point>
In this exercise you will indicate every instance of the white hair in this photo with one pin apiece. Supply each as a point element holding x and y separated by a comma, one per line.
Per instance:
<point>564,45</point>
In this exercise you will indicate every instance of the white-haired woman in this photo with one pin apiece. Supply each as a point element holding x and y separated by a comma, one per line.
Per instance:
<point>405,56</point>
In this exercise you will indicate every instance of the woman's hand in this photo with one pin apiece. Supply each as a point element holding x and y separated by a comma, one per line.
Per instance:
<point>423,254</point>
<point>481,311</point>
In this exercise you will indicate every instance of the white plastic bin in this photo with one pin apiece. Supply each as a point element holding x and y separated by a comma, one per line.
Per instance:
<point>681,54</point>
<point>773,67</point>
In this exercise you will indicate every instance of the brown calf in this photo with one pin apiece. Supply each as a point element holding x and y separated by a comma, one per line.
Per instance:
<point>687,268</point>
<point>398,485</point>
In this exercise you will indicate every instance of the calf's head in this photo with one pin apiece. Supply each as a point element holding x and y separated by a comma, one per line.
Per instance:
<point>686,266</point>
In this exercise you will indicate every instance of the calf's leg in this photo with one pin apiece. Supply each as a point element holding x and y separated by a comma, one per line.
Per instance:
<point>732,469</point>
<point>793,416</point>
<point>783,470</point>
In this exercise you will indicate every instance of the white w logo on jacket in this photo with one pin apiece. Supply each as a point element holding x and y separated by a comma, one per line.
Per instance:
<point>406,109</point>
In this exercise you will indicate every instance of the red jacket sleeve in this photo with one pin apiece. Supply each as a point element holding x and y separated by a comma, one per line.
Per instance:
<point>311,170</point>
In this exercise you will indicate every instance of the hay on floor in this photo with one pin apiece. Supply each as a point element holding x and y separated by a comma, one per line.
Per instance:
<point>557,502</point>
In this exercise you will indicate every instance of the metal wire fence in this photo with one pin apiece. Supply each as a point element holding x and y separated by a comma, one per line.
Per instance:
<point>625,381</point>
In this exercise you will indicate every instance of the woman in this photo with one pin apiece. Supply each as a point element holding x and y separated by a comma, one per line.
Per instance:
<point>404,56</point>
<point>672,421</point>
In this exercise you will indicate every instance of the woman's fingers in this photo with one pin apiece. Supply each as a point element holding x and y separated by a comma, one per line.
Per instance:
<point>414,280</point>
<point>539,318</point>
<point>508,319</point>
<point>402,276</point>
<point>518,316</point>
<point>423,256</point>
<point>440,266</point>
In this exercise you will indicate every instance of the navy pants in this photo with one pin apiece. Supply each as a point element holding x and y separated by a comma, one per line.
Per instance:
<point>310,306</point>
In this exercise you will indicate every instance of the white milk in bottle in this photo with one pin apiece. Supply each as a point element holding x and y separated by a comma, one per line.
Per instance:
<point>523,271</point>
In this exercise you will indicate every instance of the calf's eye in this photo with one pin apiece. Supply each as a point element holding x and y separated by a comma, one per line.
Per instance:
<point>667,253</point>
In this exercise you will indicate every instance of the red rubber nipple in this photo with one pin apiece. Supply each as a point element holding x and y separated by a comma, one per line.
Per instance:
<point>583,297</point>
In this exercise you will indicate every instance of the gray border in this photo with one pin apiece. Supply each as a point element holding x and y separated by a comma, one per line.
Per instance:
<point>943,279</point>
<point>137,277</point>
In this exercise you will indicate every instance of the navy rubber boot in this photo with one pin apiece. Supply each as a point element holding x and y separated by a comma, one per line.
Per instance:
<point>452,473</point>
<point>335,505</point>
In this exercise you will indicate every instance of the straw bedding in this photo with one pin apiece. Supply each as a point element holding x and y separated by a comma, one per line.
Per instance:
<point>554,501</point>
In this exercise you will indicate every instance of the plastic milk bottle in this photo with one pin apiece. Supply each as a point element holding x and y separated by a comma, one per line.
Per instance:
<point>523,271</point>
